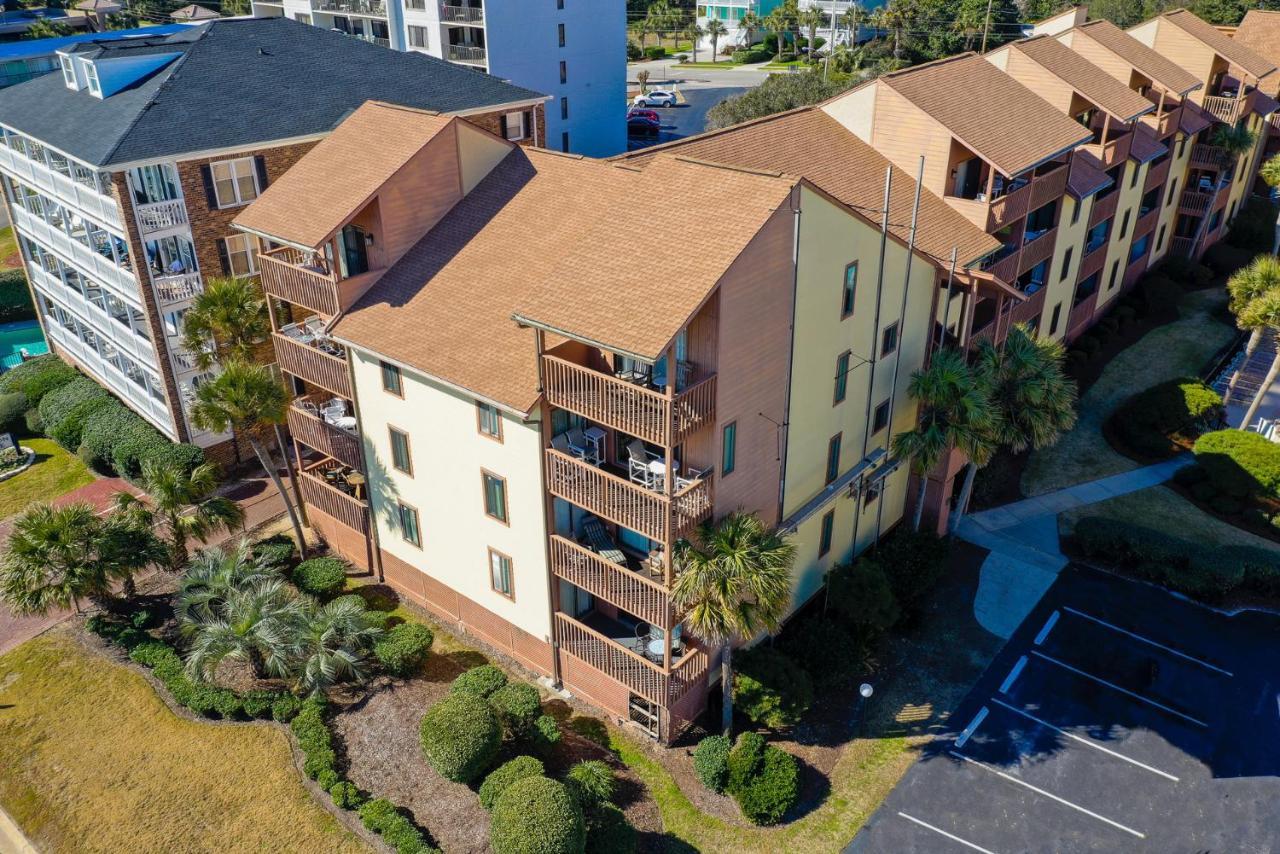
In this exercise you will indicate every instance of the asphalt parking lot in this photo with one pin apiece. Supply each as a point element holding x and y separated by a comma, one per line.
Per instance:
<point>687,119</point>
<point>1117,718</point>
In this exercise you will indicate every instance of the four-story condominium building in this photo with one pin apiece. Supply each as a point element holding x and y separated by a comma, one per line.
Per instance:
<point>122,174</point>
<point>572,50</point>
<point>539,428</point>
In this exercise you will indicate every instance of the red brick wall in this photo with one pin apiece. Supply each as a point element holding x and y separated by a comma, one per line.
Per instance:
<point>350,544</point>
<point>492,123</point>
<point>592,685</point>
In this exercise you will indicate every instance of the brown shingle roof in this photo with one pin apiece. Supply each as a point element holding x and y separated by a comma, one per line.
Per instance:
<point>1086,176</point>
<point>1193,118</point>
<point>339,176</point>
<point>1145,146</point>
<point>1149,63</point>
<point>556,238</point>
<point>1003,121</point>
<point>1235,52</point>
<point>1090,81</point>
<point>1262,103</point>
<point>809,143</point>
<point>1260,31</point>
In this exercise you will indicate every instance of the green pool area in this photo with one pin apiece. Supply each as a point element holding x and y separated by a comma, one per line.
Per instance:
<point>19,336</point>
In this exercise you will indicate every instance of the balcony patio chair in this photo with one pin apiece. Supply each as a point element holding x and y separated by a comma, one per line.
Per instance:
<point>638,459</point>
<point>314,325</point>
<point>692,477</point>
<point>560,442</point>
<point>308,407</point>
<point>596,538</point>
<point>580,447</point>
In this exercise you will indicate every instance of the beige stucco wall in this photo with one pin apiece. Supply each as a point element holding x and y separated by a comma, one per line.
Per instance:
<point>448,454</point>
<point>1180,156</point>
<point>1060,289</point>
<point>1117,246</point>
<point>830,238</point>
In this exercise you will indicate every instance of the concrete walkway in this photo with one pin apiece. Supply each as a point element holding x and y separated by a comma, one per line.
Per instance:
<point>1022,539</point>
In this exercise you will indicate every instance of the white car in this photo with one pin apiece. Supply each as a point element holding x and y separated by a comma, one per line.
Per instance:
<point>655,98</point>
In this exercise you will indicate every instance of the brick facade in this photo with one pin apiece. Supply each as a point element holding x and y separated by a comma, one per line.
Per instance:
<point>492,122</point>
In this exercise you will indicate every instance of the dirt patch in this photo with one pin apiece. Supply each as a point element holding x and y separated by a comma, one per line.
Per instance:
<point>11,262</point>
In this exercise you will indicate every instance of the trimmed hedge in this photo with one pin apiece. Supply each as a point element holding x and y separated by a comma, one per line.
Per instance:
<point>37,377</point>
<point>180,455</point>
<point>277,552</point>
<point>13,409</point>
<point>404,648</point>
<point>1150,421</point>
<point>385,819</point>
<point>480,681</point>
<point>770,689</point>
<point>1240,463</point>
<point>15,297</point>
<point>1184,271</point>
<point>101,431</point>
<point>537,816</point>
<point>518,706</point>
<point>315,740</point>
<point>744,759</point>
<point>461,736</point>
<point>862,599</point>
<point>1224,259</point>
<point>609,832</point>
<point>914,563</point>
<point>773,790</point>
<point>711,762</point>
<point>751,55</point>
<point>65,409</point>
<point>320,576</point>
<point>1180,565</point>
<point>132,445</point>
<point>504,775</point>
<point>821,646</point>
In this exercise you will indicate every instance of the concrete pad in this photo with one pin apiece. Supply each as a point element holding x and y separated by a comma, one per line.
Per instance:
<point>1092,493</point>
<point>1028,509</point>
<point>997,518</point>
<point>1060,501</point>
<point>1040,534</point>
<point>1008,590</point>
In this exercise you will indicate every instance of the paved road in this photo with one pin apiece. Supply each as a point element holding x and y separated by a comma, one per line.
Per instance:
<point>664,72</point>
<point>1117,718</point>
<point>686,119</point>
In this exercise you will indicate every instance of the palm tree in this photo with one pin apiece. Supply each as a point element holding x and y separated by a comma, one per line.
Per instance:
<point>734,583</point>
<point>1236,140</point>
<point>334,641</point>
<point>894,17</point>
<point>694,34</point>
<point>955,412</point>
<point>210,578</point>
<point>181,506</point>
<point>810,19</point>
<point>1270,173</point>
<point>658,20</point>
<point>57,556</point>
<point>245,398</point>
<point>777,22</point>
<point>749,24</point>
<point>228,320</point>
<point>259,623</point>
<point>715,29</point>
<point>1252,299</point>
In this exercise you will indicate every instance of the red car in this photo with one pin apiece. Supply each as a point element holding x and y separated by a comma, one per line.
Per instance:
<point>652,115</point>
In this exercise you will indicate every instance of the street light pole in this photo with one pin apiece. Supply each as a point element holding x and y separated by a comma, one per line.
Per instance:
<point>864,693</point>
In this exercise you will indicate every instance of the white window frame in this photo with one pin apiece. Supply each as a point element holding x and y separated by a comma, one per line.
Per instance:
<point>519,119</point>
<point>91,78</point>
<point>68,72</point>
<point>233,168</point>
<point>249,250</point>
<point>414,29</point>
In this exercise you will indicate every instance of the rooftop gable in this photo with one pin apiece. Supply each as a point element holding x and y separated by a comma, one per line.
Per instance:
<point>1260,32</point>
<point>1146,61</point>
<point>1088,80</point>
<point>1236,52</point>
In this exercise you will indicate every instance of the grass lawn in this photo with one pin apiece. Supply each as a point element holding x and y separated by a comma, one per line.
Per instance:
<point>55,472</point>
<point>94,761</point>
<point>1176,349</point>
<point>9,257</point>
<point>923,675</point>
<point>1162,509</point>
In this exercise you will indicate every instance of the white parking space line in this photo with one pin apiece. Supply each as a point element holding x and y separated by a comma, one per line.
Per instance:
<point>1115,687</point>
<point>942,832</point>
<point>1082,740</point>
<point>1048,627</point>
<point>1013,675</point>
<point>1149,641</point>
<point>973,725</point>
<point>1049,795</point>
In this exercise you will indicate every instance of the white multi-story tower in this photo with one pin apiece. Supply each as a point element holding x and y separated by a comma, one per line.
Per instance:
<point>573,50</point>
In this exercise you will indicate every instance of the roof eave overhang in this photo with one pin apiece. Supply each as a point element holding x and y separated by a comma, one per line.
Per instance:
<point>275,238</point>
<point>525,320</point>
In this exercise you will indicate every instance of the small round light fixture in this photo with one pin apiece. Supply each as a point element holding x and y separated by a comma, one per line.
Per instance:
<point>865,690</point>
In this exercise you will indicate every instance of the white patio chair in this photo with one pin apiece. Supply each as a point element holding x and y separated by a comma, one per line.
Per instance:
<point>578,444</point>
<point>638,459</point>
<point>691,477</point>
<point>560,442</point>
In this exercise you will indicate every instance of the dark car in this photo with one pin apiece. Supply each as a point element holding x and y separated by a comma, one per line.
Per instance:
<point>648,114</point>
<point>642,126</point>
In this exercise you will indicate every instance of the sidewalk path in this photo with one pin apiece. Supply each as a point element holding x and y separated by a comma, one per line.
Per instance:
<point>1022,538</point>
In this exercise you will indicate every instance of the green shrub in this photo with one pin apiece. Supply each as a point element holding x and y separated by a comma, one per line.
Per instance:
<point>861,598</point>
<point>377,814</point>
<point>1240,463</point>
<point>609,832</point>
<point>346,795</point>
<point>822,647</point>
<point>711,762</point>
<point>1226,505</point>
<point>770,689</point>
<point>35,424</point>
<point>1185,272</point>
<point>1189,476</point>
<point>1089,344</point>
<point>314,739</point>
<point>655,52</point>
<point>1125,314</point>
<point>404,648</point>
<point>461,736</point>
<point>506,774</point>
<point>1254,225</point>
<point>327,779</point>
<point>752,55</point>
<point>101,431</point>
<point>537,816</point>
<point>321,576</point>
<point>1150,421</point>
<point>37,377</point>
<point>518,706</point>
<point>1109,325</point>
<point>1224,259</point>
<point>1204,490</point>
<point>277,551</point>
<point>745,759</point>
<point>545,735</point>
<point>182,456</point>
<point>773,790</point>
<point>480,681</point>
<point>257,704</point>
<point>285,708</point>
<point>65,409</point>
<point>13,410</point>
<point>15,297</point>
<point>400,833</point>
<point>633,52</point>
<point>132,445</point>
<point>592,783</point>
<point>227,703</point>
<point>914,562</point>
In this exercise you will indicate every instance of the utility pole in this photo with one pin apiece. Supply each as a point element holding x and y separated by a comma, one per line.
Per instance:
<point>986,28</point>
<point>831,44</point>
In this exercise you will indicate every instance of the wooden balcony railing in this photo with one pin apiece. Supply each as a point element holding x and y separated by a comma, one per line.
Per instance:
<point>1157,175</point>
<point>1209,156</point>
<point>1112,152</point>
<point>333,501</point>
<point>312,365</point>
<point>1081,316</point>
<point>1037,250</point>
<point>1029,309</point>
<point>1221,108</point>
<point>604,579</point>
<point>1194,202</point>
<point>633,409</point>
<point>635,671</point>
<point>1006,269</point>
<point>1041,190</point>
<point>1182,246</point>
<point>158,216</point>
<point>285,275</point>
<point>1165,124</point>
<point>314,432</point>
<point>1146,222</point>
<point>625,503</point>
<point>1104,208</point>
<point>1092,262</point>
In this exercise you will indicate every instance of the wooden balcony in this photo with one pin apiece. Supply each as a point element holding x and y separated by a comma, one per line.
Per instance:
<point>1113,151</point>
<point>1081,316</point>
<point>1165,124</point>
<point>622,502</point>
<point>1029,309</point>
<point>633,592</point>
<point>333,501</point>
<point>638,673</point>
<point>1146,222</point>
<point>1037,250</point>
<point>636,410</point>
<point>1209,157</point>
<point>1013,206</point>
<point>160,216</point>
<point>312,365</point>
<point>1157,175</point>
<point>1181,246</point>
<point>1104,208</point>
<point>1093,262</point>
<point>1223,109</point>
<point>1194,202</point>
<point>176,287</point>
<point>314,432</point>
<point>1006,269</point>
<point>285,275</point>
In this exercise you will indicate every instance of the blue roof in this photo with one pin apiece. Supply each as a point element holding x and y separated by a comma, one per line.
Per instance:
<point>43,47</point>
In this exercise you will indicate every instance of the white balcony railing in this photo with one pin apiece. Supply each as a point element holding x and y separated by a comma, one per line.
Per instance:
<point>72,301</point>
<point>161,216</point>
<point>466,53</point>
<point>176,287</point>
<point>76,254</point>
<point>450,14</point>
<point>88,200</point>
